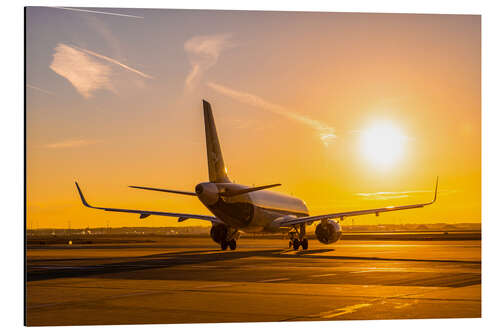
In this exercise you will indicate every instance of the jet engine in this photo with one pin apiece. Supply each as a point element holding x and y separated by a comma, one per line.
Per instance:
<point>219,232</point>
<point>328,231</point>
<point>207,192</point>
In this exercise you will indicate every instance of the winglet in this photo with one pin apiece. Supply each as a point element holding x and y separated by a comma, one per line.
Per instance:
<point>436,190</point>
<point>85,203</point>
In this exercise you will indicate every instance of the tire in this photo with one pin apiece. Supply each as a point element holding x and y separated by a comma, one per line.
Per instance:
<point>232,244</point>
<point>223,245</point>
<point>296,244</point>
<point>305,244</point>
<point>289,244</point>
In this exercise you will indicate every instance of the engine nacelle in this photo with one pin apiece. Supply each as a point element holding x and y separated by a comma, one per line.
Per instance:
<point>328,232</point>
<point>219,232</point>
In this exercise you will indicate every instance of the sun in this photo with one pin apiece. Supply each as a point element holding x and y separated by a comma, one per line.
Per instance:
<point>382,144</point>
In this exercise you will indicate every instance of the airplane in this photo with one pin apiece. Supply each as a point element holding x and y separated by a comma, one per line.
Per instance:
<point>238,208</point>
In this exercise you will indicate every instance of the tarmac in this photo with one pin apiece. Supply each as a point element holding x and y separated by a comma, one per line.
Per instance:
<point>190,280</point>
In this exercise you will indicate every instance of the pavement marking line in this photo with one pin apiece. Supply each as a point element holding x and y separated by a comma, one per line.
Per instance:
<point>357,272</point>
<point>214,286</point>
<point>41,306</point>
<point>275,280</point>
<point>38,306</point>
<point>377,270</point>
<point>322,275</point>
<point>343,311</point>
<point>136,294</point>
<point>401,306</point>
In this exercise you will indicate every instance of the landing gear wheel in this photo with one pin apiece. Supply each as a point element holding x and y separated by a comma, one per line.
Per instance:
<point>296,244</point>
<point>232,244</point>
<point>305,243</point>
<point>223,245</point>
<point>289,244</point>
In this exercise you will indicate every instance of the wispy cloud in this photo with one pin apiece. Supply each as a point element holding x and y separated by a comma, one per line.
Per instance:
<point>71,143</point>
<point>83,72</point>
<point>391,193</point>
<point>387,195</point>
<point>99,12</point>
<point>39,89</point>
<point>203,53</point>
<point>325,132</point>
<point>398,195</point>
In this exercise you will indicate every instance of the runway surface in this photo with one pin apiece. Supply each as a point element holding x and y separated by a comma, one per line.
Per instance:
<point>185,280</point>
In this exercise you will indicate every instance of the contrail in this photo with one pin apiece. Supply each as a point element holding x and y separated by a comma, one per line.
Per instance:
<point>326,133</point>
<point>71,143</point>
<point>39,89</point>
<point>98,12</point>
<point>116,62</point>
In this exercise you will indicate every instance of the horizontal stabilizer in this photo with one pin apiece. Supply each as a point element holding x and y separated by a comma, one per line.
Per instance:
<point>232,193</point>
<point>164,190</point>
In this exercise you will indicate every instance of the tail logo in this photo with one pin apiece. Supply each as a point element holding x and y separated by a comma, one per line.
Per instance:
<point>215,158</point>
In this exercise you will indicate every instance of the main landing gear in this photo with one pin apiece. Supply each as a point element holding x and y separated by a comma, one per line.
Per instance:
<point>297,238</point>
<point>225,244</point>
<point>224,236</point>
<point>296,243</point>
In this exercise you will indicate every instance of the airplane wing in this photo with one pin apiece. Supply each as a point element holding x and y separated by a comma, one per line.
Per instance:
<point>376,211</point>
<point>145,213</point>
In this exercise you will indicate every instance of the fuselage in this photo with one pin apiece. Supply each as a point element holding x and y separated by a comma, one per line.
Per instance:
<point>257,211</point>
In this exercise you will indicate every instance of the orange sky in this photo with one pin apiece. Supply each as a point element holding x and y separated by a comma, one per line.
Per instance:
<point>116,100</point>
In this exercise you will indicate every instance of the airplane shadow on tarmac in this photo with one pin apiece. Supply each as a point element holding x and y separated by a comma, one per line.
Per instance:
<point>172,259</point>
<point>162,260</point>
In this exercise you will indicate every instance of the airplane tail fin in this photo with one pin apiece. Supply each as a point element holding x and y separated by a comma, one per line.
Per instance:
<point>217,171</point>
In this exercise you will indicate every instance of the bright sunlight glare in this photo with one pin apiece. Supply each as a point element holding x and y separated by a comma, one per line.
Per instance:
<point>382,144</point>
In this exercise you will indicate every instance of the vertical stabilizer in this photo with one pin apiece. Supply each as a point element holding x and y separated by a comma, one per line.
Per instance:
<point>216,169</point>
